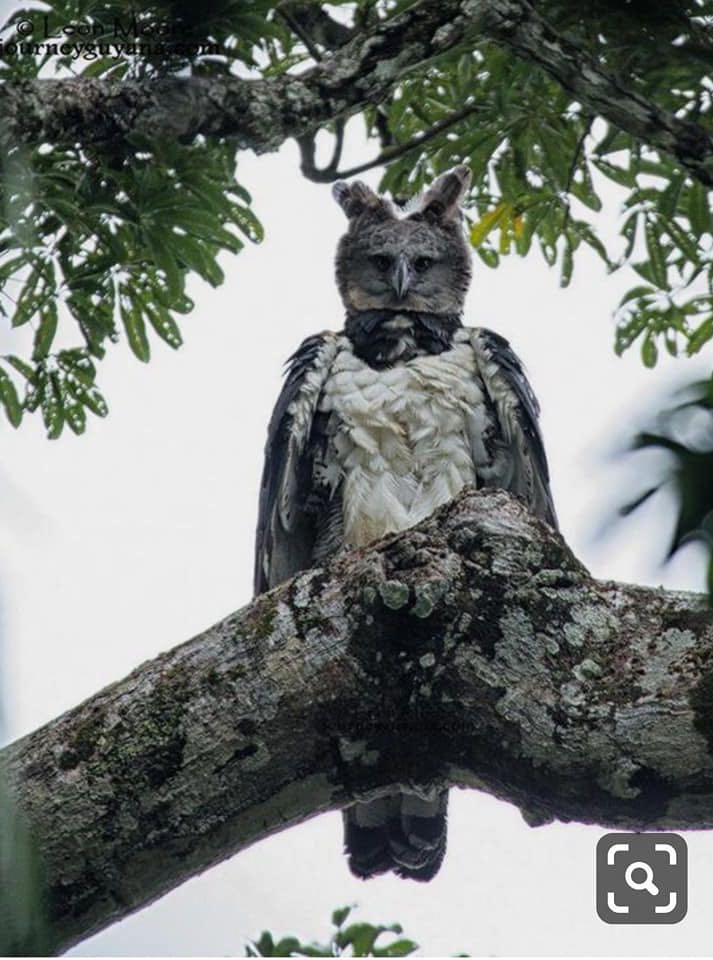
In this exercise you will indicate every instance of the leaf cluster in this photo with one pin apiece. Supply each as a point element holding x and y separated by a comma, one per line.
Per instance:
<point>352,940</point>
<point>91,246</point>
<point>157,37</point>
<point>107,241</point>
<point>542,169</point>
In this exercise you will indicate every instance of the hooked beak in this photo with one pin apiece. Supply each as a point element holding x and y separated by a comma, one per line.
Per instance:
<point>402,276</point>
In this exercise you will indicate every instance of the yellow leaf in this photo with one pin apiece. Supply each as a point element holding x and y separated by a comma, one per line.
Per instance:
<point>480,230</point>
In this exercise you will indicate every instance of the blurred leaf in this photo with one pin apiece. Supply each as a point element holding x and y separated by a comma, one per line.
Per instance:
<point>340,915</point>
<point>686,434</point>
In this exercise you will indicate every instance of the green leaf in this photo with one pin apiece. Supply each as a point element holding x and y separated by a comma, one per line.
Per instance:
<point>657,260</point>
<point>644,270</point>
<point>649,351</point>
<point>671,343</point>
<point>584,190</point>
<point>567,265</point>
<point>624,178</point>
<point>10,267</point>
<point>505,237</point>
<point>698,208</point>
<point>28,300</point>
<point>489,257</point>
<point>135,330</point>
<point>399,948</point>
<point>77,363</point>
<point>549,252</point>
<point>586,233</point>
<point>700,336</point>
<point>10,399</point>
<point>287,947</point>
<point>628,231</point>
<point>361,936</point>
<point>90,397</point>
<point>196,256</point>
<point>627,332</point>
<point>683,240</point>
<point>51,405</point>
<point>46,331</point>
<point>164,325</point>
<point>669,197</point>
<point>265,945</point>
<point>24,368</point>
<point>556,154</point>
<point>76,417</point>
<point>340,915</point>
<point>164,259</point>
<point>637,293</point>
<point>246,221</point>
<point>201,223</point>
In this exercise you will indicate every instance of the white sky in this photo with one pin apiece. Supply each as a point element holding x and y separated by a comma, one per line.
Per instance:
<point>124,542</point>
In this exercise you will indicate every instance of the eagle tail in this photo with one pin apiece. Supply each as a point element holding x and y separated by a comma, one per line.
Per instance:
<point>402,832</point>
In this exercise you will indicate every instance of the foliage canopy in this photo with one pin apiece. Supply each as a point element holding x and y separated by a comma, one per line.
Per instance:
<point>97,240</point>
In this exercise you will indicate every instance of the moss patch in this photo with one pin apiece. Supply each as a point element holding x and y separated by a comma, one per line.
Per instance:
<point>84,743</point>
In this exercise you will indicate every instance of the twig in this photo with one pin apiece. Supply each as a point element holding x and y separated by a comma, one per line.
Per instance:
<point>314,26</point>
<point>307,145</point>
<point>296,28</point>
<point>330,173</point>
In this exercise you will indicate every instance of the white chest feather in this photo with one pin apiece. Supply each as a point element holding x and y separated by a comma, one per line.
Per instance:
<point>405,435</point>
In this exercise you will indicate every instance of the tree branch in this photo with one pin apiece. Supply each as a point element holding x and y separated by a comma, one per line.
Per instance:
<point>472,650</point>
<point>516,24</point>
<point>308,145</point>
<point>312,24</point>
<point>330,173</point>
<point>296,27</point>
<point>261,114</point>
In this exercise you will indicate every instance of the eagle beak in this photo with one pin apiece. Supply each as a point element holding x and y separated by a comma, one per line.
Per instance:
<point>402,276</point>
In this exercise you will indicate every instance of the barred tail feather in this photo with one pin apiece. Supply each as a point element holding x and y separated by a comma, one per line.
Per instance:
<point>401,832</point>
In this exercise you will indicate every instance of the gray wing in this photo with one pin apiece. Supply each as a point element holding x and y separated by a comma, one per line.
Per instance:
<point>519,463</point>
<point>288,525</point>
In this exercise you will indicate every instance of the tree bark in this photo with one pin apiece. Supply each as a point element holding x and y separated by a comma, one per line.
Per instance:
<point>472,650</point>
<point>262,114</point>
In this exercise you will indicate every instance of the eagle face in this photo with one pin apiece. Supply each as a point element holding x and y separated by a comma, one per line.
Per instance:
<point>415,262</point>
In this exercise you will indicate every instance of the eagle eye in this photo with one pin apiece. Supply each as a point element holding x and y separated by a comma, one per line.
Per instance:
<point>421,264</point>
<point>382,262</point>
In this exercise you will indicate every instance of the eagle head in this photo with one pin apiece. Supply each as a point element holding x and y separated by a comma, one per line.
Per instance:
<point>416,261</point>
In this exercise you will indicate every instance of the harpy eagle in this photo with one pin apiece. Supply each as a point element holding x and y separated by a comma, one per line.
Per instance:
<point>379,424</point>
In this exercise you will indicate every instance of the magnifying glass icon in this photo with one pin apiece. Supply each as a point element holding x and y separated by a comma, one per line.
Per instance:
<point>647,883</point>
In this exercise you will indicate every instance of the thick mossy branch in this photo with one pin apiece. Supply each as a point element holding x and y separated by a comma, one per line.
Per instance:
<point>262,114</point>
<point>472,650</point>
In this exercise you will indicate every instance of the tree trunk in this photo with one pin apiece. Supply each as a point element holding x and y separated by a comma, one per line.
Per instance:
<point>473,649</point>
<point>262,114</point>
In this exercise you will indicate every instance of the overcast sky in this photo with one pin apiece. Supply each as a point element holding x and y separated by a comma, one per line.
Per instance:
<point>122,543</point>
